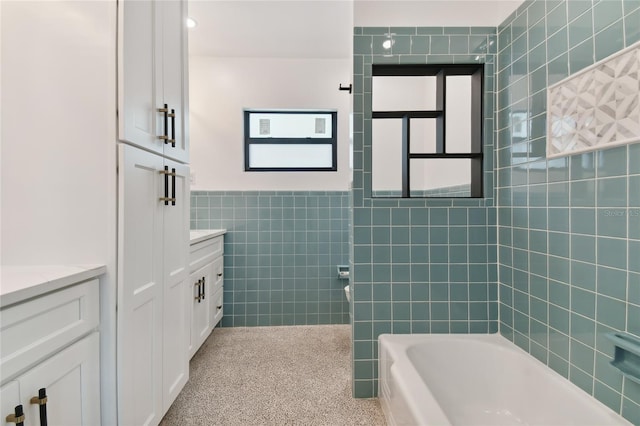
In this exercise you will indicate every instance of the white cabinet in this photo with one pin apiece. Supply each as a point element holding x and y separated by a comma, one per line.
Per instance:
<point>40,349</point>
<point>153,77</point>
<point>153,249</point>
<point>205,289</point>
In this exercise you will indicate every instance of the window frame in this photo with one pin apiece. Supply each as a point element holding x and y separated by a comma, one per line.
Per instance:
<point>333,140</point>
<point>440,71</point>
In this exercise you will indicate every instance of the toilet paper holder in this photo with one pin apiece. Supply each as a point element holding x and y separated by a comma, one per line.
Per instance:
<point>343,272</point>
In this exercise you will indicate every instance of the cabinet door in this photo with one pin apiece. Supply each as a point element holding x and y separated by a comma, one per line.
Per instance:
<point>172,15</point>
<point>72,380</point>
<point>200,280</point>
<point>139,75</point>
<point>9,398</point>
<point>217,291</point>
<point>176,324</point>
<point>140,292</point>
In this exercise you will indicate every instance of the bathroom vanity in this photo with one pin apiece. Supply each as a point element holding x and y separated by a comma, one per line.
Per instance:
<point>205,285</point>
<point>50,359</point>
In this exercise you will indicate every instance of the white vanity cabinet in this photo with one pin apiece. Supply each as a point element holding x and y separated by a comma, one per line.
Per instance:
<point>51,341</point>
<point>153,77</point>
<point>205,288</point>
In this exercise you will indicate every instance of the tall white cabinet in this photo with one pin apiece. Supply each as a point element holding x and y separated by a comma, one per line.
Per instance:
<point>152,77</point>
<point>153,322</point>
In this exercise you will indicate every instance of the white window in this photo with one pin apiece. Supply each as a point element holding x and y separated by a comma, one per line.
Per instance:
<point>290,140</point>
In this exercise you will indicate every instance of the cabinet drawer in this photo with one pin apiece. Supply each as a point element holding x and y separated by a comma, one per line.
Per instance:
<point>205,251</point>
<point>32,330</point>
<point>217,307</point>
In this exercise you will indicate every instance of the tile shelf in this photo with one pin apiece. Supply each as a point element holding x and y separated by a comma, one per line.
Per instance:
<point>627,355</point>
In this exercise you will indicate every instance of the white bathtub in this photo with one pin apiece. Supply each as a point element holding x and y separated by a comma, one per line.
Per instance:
<point>477,379</point>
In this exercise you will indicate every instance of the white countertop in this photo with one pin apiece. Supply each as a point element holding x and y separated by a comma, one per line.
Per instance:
<point>18,283</point>
<point>197,235</point>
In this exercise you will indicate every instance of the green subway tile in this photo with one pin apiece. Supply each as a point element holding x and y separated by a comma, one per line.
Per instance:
<point>634,249</point>
<point>583,302</point>
<point>558,194</point>
<point>439,44</point>
<point>612,192</point>
<point>634,288</point>
<point>559,244</point>
<point>581,379</point>
<point>430,30</point>
<point>536,35</point>
<point>556,19</point>
<point>401,45</point>
<point>583,275</point>
<point>606,373</point>
<point>606,13</point>
<point>401,273</point>
<point>557,69</point>
<point>583,248</point>
<point>558,219</point>
<point>457,30</point>
<point>559,365</point>
<point>537,58</point>
<point>632,27</point>
<point>581,28</point>
<point>610,312</point>
<point>633,325</point>
<point>583,193</point>
<point>559,342</point>
<point>581,56</point>
<point>420,44</point>
<point>583,221</point>
<point>575,8</point>
<point>607,396</point>
<point>609,41</point>
<point>583,166</point>
<point>458,44</point>
<point>611,252</point>
<point>612,162</point>
<point>613,222</point>
<point>583,330</point>
<point>559,294</point>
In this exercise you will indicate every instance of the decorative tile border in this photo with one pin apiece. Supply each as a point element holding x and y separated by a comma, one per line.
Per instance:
<point>597,107</point>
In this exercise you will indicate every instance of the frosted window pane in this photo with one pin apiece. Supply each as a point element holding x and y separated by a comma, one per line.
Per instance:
<point>404,93</point>
<point>458,114</point>
<point>282,125</point>
<point>386,157</point>
<point>423,136</point>
<point>290,155</point>
<point>441,177</point>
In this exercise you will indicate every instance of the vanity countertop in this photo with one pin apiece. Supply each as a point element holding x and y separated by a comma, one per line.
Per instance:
<point>21,282</point>
<point>197,235</point>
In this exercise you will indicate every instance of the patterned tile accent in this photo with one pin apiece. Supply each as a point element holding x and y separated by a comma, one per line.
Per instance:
<point>419,265</point>
<point>568,227</point>
<point>596,107</point>
<point>281,251</point>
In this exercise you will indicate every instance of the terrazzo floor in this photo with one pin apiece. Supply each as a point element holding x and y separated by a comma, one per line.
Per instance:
<point>292,375</point>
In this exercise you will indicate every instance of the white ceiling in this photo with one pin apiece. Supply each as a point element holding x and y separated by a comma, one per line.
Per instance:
<point>321,28</point>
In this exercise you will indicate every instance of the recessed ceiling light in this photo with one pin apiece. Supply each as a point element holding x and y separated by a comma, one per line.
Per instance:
<point>191,23</point>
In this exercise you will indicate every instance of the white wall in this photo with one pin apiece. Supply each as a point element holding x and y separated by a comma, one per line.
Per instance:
<point>58,176</point>
<point>220,88</point>
<point>58,131</point>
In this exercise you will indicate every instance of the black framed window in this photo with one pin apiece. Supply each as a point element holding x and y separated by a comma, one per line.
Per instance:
<point>427,130</point>
<point>290,140</point>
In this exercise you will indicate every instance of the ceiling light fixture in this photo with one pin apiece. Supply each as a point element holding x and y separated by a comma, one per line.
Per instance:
<point>191,23</point>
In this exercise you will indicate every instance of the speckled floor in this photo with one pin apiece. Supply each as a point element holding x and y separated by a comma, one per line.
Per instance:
<point>299,375</point>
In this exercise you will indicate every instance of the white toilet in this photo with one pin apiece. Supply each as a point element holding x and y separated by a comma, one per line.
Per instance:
<point>346,291</point>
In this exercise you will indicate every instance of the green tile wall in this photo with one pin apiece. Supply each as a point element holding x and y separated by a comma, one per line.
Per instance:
<point>569,228</point>
<point>280,254</point>
<point>419,265</point>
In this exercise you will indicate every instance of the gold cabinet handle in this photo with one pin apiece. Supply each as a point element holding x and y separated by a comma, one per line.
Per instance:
<point>17,416</point>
